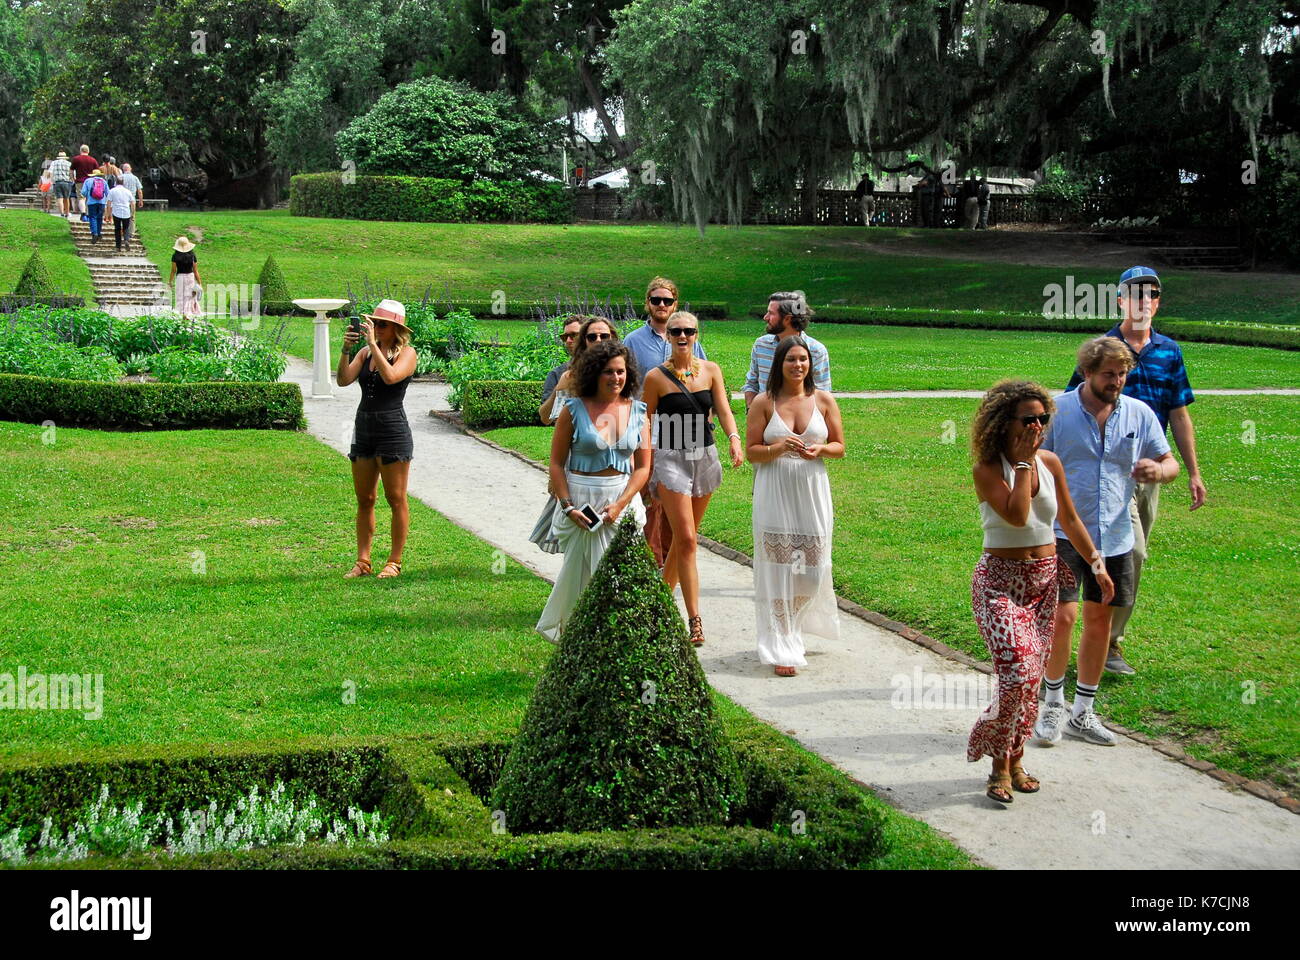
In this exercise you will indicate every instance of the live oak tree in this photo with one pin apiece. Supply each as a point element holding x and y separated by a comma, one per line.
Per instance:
<point>756,98</point>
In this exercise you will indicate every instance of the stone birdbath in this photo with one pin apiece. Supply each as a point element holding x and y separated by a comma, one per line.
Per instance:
<point>320,354</point>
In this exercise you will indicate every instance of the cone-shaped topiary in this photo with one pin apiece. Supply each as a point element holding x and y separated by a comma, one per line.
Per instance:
<point>275,291</point>
<point>621,730</point>
<point>36,280</point>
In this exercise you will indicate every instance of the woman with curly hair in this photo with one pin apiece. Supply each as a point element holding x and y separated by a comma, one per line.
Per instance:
<point>600,460</point>
<point>1021,491</point>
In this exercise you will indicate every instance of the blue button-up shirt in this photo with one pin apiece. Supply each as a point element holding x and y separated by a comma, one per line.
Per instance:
<point>1099,464</point>
<point>760,362</point>
<point>650,350</point>
<point>1158,378</point>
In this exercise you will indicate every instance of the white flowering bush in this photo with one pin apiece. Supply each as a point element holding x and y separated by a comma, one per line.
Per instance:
<point>1127,223</point>
<point>253,821</point>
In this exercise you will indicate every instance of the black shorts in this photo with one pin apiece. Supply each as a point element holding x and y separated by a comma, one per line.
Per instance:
<point>382,433</point>
<point>1120,568</point>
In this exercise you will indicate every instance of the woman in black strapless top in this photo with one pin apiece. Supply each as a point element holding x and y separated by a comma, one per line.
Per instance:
<point>682,396</point>
<point>382,446</point>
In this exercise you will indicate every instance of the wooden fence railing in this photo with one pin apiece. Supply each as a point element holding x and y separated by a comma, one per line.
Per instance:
<point>839,208</point>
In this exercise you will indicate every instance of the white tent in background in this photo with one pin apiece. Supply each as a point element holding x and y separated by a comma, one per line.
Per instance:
<point>615,179</point>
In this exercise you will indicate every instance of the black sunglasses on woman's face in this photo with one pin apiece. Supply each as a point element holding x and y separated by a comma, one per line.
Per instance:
<point>1033,418</point>
<point>681,331</point>
<point>380,324</point>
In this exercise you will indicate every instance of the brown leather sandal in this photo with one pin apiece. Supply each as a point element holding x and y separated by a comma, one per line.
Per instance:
<point>999,788</point>
<point>697,631</point>
<point>1022,781</point>
<point>385,575</point>
<point>361,569</point>
<point>786,671</point>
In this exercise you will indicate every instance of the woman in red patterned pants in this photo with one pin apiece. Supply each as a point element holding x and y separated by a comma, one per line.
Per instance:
<point>1023,501</point>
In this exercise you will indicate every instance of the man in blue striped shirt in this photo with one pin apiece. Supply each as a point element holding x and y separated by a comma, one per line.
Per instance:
<point>787,316</point>
<point>1158,379</point>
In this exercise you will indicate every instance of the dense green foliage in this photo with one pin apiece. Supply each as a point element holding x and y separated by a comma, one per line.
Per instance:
<point>500,403</point>
<point>275,298</point>
<point>429,199</point>
<point>35,281</point>
<point>435,128</point>
<point>530,356</point>
<point>621,730</point>
<point>139,406</point>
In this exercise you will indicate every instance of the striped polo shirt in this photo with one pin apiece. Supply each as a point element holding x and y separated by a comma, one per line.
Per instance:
<point>760,362</point>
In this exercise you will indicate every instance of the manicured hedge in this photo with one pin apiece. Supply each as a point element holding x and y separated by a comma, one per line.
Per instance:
<point>439,822</point>
<point>13,302</point>
<point>151,405</point>
<point>1258,335</point>
<point>428,199</point>
<point>501,403</point>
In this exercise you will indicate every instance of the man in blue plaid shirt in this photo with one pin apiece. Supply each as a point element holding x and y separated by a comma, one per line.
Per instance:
<point>1158,379</point>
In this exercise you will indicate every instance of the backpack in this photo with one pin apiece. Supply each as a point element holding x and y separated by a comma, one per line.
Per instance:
<point>97,189</point>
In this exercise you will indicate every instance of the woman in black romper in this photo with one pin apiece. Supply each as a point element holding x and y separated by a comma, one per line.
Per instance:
<point>382,445</point>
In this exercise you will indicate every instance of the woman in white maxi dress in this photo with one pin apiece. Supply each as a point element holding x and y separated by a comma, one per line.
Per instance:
<point>792,429</point>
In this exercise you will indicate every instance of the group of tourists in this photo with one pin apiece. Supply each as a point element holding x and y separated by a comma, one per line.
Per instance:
<point>634,431</point>
<point>97,192</point>
<point>1067,488</point>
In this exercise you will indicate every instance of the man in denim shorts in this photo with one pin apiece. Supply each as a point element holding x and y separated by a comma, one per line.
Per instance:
<point>1107,443</point>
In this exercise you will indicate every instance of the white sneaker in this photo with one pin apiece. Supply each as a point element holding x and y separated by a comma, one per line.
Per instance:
<point>1088,727</point>
<point>1051,720</point>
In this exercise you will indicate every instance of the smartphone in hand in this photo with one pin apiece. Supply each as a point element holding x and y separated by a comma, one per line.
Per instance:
<point>355,327</point>
<point>593,518</point>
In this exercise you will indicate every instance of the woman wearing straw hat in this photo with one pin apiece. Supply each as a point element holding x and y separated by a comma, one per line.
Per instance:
<point>382,446</point>
<point>185,273</point>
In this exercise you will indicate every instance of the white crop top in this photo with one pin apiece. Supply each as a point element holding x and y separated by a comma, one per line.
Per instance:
<point>1038,527</point>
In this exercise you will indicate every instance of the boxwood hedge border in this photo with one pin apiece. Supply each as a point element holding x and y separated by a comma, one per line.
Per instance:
<point>803,815</point>
<point>1243,335</point>
<point>151,406</point>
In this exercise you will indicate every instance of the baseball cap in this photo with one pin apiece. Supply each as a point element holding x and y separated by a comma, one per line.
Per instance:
<point>1139,275</point>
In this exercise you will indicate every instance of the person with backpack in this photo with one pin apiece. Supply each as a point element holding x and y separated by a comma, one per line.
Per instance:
<point>95,192</point>
<point>82,165</point>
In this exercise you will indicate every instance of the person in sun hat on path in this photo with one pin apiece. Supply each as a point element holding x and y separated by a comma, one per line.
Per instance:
<point>382,445</point>
<point>185,274</point>
<point>1158,379</point>
<point>95,192</point>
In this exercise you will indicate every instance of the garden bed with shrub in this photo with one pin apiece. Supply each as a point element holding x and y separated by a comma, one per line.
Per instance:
<point>429,794</point>
<point>84,367</point>
<point>501,403</point>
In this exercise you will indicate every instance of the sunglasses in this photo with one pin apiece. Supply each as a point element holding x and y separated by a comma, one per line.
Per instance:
<point>379,324</point>
<point>682,331</point>
<point>569,336</point>
<point>662,301</point>
<point>1043,418</point>
<point>1144,292</point>
<point>593,337</point>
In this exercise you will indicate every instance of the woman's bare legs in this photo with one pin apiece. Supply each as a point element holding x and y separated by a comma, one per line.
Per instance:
<point>684,516</point>
<point>395,476</point>
<point>365,481</point>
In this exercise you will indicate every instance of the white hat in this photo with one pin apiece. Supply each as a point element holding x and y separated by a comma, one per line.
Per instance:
<point>389,310</point>
<point>183,245</point>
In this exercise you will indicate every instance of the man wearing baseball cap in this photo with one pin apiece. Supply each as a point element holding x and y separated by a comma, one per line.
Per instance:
<point>1159,379</point>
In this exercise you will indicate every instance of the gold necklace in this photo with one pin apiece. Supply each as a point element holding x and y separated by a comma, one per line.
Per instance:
<point>690,372</point>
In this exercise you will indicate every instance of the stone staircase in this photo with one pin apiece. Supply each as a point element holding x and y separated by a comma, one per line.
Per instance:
<point>126,283</point>
<point>29,199</point>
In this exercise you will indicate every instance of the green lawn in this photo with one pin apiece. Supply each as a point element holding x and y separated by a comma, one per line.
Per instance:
<point>201,573</point>
<point>1217,612</point>
<point>910,358</point>
<point>738,265</point>
<point>918,358</point>
<point>21,232</point>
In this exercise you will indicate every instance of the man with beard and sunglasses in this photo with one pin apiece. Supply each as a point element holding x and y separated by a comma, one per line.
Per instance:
<point>1158,379</point>
<point>1107,443</point>
<point>650,348</point>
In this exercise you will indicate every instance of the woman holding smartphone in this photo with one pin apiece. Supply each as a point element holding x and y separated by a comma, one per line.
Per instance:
<point>600,460</point>
<point>1021,491</point>
<point>382,445</point>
